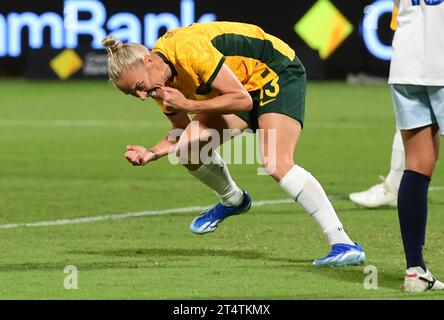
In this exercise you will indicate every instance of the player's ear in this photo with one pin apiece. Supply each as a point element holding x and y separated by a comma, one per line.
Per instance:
<point>147,59</point>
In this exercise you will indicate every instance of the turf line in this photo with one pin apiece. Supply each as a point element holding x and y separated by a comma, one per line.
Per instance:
<point>151,213</point>
<point>128,215</point>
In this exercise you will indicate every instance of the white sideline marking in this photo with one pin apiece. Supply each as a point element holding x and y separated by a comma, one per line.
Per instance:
<point>149,213</point>
<point>128,215</point>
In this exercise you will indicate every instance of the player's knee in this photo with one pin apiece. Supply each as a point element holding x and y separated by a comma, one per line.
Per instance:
<point>188,153</point>
<point>424,167</point>
<point>182,153</point>
<point>278,168</point>
<point>422,163</point>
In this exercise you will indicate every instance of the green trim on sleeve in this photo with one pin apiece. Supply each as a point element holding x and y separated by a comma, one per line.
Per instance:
<point>216,72</point>
<point>205,88</point>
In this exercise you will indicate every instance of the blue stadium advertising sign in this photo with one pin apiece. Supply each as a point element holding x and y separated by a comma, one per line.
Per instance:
<point>66,28</point>
<point>332,37</point>
<point>372,16</point>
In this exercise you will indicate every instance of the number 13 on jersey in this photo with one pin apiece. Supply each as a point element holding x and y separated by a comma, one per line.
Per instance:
<point>269,92</point>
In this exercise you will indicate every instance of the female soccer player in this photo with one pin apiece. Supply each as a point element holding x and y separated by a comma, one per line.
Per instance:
<point>417,84</point>
<point>232,76</point>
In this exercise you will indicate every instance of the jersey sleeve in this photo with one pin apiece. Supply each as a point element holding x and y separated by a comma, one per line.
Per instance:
<point>199,57</point>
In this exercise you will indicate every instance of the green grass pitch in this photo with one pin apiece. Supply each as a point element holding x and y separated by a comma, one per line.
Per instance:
<point>61,157</point>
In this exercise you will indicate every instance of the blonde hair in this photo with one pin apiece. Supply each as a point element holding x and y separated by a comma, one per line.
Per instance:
<point>122,56</point>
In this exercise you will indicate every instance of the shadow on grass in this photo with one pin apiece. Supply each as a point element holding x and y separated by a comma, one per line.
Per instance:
<point>167,252</point>
<point>386,279</point>
<point>358,209</point>
<point>153,254</point>
<point>389,279</point>
<point>60,266</point>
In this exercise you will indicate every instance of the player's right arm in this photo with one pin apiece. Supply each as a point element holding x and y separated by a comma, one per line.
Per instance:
<point>140,156</point>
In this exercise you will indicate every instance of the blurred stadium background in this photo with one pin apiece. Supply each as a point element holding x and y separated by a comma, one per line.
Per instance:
<point>63,130</point>
<point>61,39</point>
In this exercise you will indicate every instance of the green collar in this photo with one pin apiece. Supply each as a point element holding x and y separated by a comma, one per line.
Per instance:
<point>168,62</point>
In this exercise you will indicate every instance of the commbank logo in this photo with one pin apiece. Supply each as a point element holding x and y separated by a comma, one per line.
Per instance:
<point>65,28</point>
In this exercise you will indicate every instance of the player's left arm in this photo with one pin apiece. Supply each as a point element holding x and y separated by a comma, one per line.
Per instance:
<point>233,97</point>
<point>141,156</point>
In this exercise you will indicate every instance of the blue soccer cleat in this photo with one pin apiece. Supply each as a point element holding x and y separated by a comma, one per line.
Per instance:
<point>342,255</point>
<point>211,218</point>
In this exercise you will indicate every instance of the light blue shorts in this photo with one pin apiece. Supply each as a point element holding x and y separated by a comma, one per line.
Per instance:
<point>418,106</point>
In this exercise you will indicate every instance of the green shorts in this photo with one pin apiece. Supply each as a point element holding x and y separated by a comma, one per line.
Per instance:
<point>285,94</point>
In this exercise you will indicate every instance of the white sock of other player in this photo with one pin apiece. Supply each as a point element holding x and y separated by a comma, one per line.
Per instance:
<point>215,175</point>
<point>301,186</point>
<point>397,165</point>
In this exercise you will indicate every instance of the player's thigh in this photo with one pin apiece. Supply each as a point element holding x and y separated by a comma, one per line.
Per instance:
<point>278,134</point>
<point>281,112</point>
<point>421,148</point>
<point>227,125</point>
<point>209,128</point>
<point>419,112</point>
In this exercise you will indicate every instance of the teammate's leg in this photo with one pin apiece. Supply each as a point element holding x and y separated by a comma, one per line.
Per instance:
<point>417,119</point>
<point>301,186</point>
<point>422,148</point>
<point>385,193</point>
<point>397,164</point>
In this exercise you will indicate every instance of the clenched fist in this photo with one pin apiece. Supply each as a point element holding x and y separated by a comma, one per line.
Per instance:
<point>173,99</point>
<point>139,156</point>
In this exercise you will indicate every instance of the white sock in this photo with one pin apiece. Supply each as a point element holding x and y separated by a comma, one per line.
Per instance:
<point>216,176</point>
<point>301,186</point>
<point>397,165</point>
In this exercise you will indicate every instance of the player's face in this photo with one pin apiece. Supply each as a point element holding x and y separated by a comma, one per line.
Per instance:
<point>141,81</point>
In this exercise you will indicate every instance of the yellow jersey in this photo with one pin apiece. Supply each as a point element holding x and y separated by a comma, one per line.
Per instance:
<point>196,53</point>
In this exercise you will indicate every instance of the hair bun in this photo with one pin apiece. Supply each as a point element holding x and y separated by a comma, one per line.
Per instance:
<point>111,44</point>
